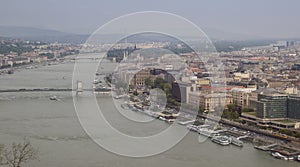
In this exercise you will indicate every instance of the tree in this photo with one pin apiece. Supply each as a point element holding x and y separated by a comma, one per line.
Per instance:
<point>200,110</point>
<point>231,107</point>
<point>48,55</point>
<point>231,112</point>
<point>159,83</point>
<point>135,93</point>
<point>247,110</point>
<point>167,88</point>
<point>149,83</point>
<point>19,154</point>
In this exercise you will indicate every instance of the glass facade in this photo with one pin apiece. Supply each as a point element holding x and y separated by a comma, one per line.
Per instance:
<point>294,107</point>
<point>272,106</point>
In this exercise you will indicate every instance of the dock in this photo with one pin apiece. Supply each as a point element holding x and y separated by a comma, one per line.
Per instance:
<point>266,148</point>
<point>242,137</point>
<point>186,122</point>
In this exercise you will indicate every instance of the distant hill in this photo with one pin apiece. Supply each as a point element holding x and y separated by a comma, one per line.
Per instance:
<point>215,34</point>
<point>13,31</point>
<point>37,34</point>
<point>46,35</point>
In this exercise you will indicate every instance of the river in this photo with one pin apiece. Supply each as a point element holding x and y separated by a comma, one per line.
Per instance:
<point>53,127</point>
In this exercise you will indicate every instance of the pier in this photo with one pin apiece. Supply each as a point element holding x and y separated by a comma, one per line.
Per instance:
<point>186,122</point>
<point>242,137</point>
<point>266,148</point>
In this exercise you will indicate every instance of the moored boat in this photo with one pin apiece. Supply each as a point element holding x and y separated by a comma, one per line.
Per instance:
<point>53,98</point>
<point>279,156</point>
<point>192,128</point>
<point>236,142</point>
<point>222,140</point>
<point>207,132</point>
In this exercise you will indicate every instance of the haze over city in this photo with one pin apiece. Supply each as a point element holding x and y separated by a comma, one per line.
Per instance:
<point>261,19</point>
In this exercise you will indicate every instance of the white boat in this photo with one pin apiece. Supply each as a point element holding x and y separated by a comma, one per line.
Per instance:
<point>120,96</point>
<point>53,98</point>
<point>222,140</point>
<point>207,132</point>
<point>29,67</point>
<point>192,128</point>
<point>140,110</point>
<point>170,120</point>
<point>204,126</point>
<point>186,122</point>
<point>134,109</point>
<point>117,97</point>
<point>236,142</point>
<point>97,82</point>
<point>280,156</point>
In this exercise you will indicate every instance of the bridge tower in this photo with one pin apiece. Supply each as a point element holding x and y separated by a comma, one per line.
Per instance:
<point>79,89</point>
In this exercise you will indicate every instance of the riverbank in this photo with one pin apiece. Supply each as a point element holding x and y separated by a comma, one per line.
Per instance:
<point>256,136</point>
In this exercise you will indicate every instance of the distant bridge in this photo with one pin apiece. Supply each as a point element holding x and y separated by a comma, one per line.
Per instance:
<point>41,90</point>
<point>79,89</point>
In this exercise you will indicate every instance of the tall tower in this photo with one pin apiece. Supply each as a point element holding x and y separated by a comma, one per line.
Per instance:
<point>125,54</point>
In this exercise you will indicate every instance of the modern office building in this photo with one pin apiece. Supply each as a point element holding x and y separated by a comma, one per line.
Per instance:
<point>293,107</point>
<point>253,96</point>
<point>270,106</point>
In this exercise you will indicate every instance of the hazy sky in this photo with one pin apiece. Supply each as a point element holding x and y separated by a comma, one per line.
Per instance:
<point>266,18</point>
